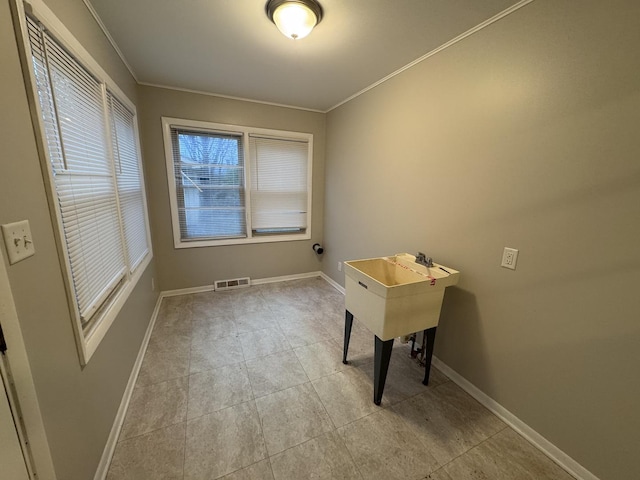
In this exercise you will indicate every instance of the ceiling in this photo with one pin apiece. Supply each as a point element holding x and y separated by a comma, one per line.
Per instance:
<point>231,48</point>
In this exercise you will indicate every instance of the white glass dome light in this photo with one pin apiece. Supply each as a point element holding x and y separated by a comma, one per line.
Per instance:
<point>294,18</point>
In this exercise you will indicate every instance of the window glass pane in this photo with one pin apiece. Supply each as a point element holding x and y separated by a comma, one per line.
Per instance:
<point>209,177</point>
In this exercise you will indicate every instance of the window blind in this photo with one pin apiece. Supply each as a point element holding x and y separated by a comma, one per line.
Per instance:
<point>100,202</point>
<point>209,179</point>
<point>279,194</point>
<point>130,194</point>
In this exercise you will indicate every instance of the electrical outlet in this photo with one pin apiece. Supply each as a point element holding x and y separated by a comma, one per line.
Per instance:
<point>339,266</point>
<point>509,258</point>
<point>17,237</point>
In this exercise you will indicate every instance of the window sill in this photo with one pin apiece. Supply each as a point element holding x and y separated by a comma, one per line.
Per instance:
<point>90,341</point>
<point>178,243</point>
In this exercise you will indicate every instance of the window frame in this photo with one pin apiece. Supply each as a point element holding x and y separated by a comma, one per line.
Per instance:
<point>245,131</point>
<point>88,336</point>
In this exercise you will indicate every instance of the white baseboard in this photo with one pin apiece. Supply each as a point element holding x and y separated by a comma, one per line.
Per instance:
<point>258,281</point>
<point>285,278</point>
<point>186,291</point>
<point>545,446</point>
<point>107,454</point>
<point>332,282</point>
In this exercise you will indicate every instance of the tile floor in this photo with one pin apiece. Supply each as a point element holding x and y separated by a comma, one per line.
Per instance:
<point>249,385</point>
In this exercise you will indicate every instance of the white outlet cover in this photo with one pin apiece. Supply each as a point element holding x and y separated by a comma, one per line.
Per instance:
<point>509,258</point>
<point>17,238</point>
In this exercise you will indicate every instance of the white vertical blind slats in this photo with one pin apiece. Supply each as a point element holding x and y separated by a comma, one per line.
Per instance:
<point>81,153</point>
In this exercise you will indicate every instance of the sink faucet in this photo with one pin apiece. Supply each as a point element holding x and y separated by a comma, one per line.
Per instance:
<point>423,260</point>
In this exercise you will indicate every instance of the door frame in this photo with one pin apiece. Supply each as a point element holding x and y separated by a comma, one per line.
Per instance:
<point>25,392</point>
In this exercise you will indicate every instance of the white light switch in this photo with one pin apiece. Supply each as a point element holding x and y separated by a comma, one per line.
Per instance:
<point>17,238</point>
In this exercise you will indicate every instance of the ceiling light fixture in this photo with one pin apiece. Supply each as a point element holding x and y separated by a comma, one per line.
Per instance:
<point>294,18</point>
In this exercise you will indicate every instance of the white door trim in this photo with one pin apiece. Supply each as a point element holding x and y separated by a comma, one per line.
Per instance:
<point>16,356</point>
<point>12,446</point>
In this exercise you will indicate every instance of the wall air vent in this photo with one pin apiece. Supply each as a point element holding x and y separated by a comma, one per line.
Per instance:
<point>220,285</point>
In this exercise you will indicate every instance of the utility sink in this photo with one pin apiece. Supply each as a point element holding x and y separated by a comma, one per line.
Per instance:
<point>395,296</point>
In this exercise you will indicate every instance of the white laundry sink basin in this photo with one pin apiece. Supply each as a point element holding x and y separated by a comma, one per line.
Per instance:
<point>395,296</point>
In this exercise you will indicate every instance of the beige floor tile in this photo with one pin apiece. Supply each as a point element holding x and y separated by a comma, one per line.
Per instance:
<point>334,327</point>
<point>209,298</point>
<point>246,301</point>
<point>255,320</point>
<point>322,458</point>
<point>222,442</point>
<point>210,310</point>
<point>263,342</point>
<point>172,314</point>
<point>441,474</point>
<point>333,310</point>
<point>257,471</point>
<point>403,350</point>
<point>448,421</point>
<point>275,372</point>
<point>155,406</point>
<point>208,353</point>
<point>320,359</point>
<point>176,302</point>
<point>220,337</point>
<point>217,389</point>
<point>404,378</point>
<point>361,344</point>
<point>219,326</point>
<point>310,294</point>
<point>289,306</point>
<point>291,417</point>
<point>383,446</point>
<point>505,456</point>
<point>347,396</point>
<point>164,361</point>
<point>172,329</point>
<point>304,331</point>
<point>157,455</point>
<point>270,288</point>
<point>290,321</point>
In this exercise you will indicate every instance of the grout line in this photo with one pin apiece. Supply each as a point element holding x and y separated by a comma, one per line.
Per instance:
<point>149,432</point>
<point>184,450</point>
<point>324,407</point>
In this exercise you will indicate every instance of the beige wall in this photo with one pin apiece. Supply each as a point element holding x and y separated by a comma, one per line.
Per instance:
<point>522,135</point>
<point>78,405</point>
<point>195,267</point>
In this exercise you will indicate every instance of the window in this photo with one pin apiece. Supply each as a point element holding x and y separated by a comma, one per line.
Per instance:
<point>232,184</point>
<point>92,162</point>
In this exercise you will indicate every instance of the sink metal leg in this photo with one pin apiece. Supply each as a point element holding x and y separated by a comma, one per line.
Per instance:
<point>348,323</point>
<point>431,338</point>
<point>380,367</point>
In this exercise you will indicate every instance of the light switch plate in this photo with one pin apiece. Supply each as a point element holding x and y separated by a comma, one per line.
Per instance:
<point>17,238</point>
